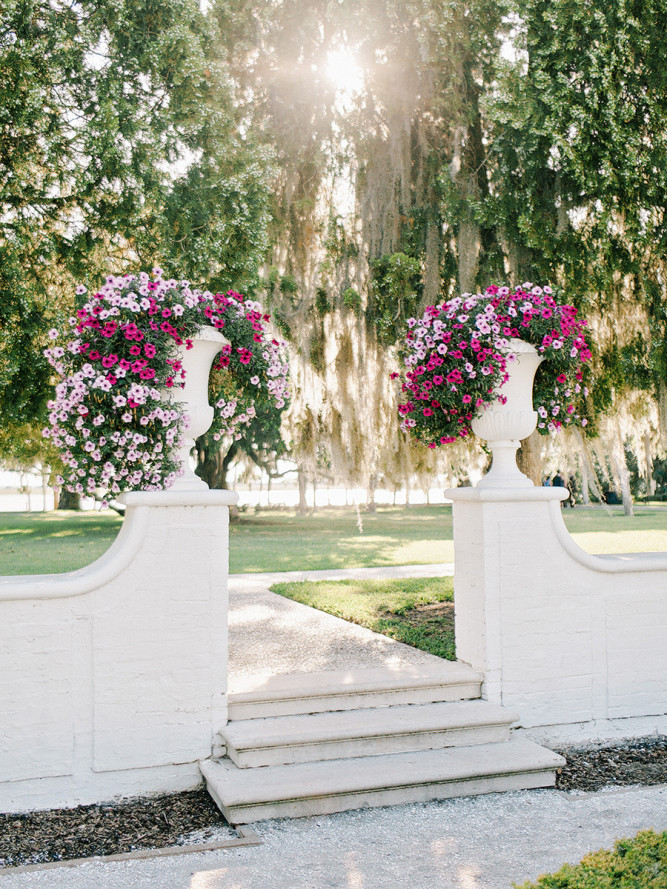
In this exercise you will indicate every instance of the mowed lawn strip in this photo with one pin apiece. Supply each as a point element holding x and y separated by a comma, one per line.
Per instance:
<point>54,542</point>
<point>278,540</point>
<point>416,611</point>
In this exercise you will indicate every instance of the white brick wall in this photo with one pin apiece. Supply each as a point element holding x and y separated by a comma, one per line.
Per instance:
<point>563,637</point>
<point>113,678</point>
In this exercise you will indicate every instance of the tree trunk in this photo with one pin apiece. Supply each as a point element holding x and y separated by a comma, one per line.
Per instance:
<point>370,497</point>
<point>212,464</point>
<point>432,282</point>
<point>662,412</point>
<point>529,458</point>
<point>585,480</point>
<point>620,469</point>
<point>302,508</point>
<point>588,475</point>
<point>648,459</point>
<point>68,500</point>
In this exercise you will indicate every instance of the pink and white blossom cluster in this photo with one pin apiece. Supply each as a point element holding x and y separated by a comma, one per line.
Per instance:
<point>456,357</point>
<point>112,417</point>
<point>258,367</point>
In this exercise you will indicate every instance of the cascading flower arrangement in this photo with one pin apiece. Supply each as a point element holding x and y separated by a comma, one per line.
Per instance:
<point>113,418</point>
<point>456,358</point>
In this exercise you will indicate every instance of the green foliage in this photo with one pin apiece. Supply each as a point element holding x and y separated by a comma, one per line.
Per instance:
<point>394,295</point>
<point>119,147</point>
<point>23,447</point>
<point>283,325</point>
<point>638,863</point>
<point>352,300</point>
<point>579,169</point>
<point>288,285</point>
<point>322,304</point>
<point>316,355</point>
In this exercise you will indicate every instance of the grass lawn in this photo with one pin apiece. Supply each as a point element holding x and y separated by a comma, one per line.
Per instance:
<point>330,538</point>
<point>417,611</point>
<point>274,540</point>
<point>51,542</point>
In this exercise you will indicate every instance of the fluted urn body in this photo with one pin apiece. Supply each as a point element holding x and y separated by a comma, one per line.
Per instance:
<point>193,398</point>
<point>504,426</point>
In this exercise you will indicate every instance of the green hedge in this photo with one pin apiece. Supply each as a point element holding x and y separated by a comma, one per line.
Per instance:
<point>639,863</point>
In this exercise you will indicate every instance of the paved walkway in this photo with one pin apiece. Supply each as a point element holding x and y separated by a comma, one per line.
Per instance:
<point>269,634</point>
<point>486,842</point>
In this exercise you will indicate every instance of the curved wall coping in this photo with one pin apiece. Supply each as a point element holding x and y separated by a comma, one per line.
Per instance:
<point>622,563</point>
<point>119,555</point>
<point>506,495</point>
<point>194,497</point>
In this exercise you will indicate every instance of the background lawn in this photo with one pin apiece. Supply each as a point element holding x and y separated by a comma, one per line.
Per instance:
<point>274,540</point>
<point>51,542</point>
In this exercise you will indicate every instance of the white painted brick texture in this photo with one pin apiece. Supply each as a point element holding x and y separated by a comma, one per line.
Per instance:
<point>121,689</point>
<point>562,637</point>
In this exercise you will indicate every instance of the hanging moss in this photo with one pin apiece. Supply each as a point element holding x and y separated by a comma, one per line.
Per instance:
<point>316,354</point>
<point>289,286</point>
<point>282,324</point>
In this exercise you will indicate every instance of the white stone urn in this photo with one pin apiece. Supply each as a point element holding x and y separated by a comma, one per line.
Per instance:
<point>504,426</point>
<point>193,398</point>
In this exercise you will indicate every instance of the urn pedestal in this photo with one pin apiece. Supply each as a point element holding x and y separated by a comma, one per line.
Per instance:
<point>503,426</point>
<point>193,398</point>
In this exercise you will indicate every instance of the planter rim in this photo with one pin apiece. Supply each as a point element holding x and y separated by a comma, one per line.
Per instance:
<point>211,334</point>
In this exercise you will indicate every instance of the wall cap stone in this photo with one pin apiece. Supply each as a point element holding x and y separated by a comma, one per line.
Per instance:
<point>506,495</point>
<point>621,563</point>
<point>195,497</point>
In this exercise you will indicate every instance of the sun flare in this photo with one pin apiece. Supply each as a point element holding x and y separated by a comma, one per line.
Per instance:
<point>344,71</point>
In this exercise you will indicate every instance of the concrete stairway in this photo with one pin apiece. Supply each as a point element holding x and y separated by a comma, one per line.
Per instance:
<point>311,744</point>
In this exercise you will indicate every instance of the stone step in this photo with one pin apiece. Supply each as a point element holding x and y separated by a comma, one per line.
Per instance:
<point>246,795</point>
<point>300,693</point>
<point>281,740</point>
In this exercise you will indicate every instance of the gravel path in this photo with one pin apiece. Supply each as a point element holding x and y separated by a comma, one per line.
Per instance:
<point>486,842</point>
<point>185,818</point>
